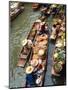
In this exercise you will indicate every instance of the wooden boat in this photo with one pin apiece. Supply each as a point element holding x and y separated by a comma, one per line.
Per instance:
<point>46,11</point>
<point>25,52</point>
<point>58,63</point>
<point>59,55</point>
<point>38,60</point>
<point>35,6</point>
<point>15,13</point>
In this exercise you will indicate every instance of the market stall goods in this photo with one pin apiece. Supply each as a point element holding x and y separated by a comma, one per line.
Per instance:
<point>38,58</point>
<point>59,52</point>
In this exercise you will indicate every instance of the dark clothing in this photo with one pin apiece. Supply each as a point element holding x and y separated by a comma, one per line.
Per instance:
<point>30,80</point>
<point>43,30</point>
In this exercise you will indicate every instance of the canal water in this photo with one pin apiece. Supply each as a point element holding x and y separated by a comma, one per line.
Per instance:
<point>19,29</point>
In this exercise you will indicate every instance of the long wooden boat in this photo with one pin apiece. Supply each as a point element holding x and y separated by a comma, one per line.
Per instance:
<point>25,52</point>
<point>59,54</point>
<point>58,60</point>
<point>46,11</point>
<point>15,13</point>
<point>38,61</point>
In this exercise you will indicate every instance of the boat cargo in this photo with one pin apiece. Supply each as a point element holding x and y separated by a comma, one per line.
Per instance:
<point>38,61</point>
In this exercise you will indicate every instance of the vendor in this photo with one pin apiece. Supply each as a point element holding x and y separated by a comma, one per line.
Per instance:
<point>58,28</point>
<point>36,24</point>
<point>45,11</point>
<point>30,78</point>
<point>53,33</point>
<point>43,28</point>
<point>27,43</point>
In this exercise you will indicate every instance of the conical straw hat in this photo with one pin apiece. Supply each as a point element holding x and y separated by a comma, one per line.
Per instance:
<point>24,42</point>
<point>29,69</point>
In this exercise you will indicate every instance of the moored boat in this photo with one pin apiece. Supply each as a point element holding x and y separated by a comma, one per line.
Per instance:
<point>37,61</point>
<point>15,13</point>
<point>27,47</point>
<point>15,10</point>
<point>35,6</point>
<point>59,52</point>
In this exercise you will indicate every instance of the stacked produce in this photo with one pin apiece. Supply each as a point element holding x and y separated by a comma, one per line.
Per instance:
<point>59,51</point>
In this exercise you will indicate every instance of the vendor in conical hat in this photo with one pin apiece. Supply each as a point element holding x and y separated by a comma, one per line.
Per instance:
<point>27,42</point>
<point>59,21</point>
<point>24,42</point>
<point>30,44</point>
<point>54,9</point>
<point>42,29</point>
<point>36,24</point>
<point>53,6</point>
<point>38,21</point>
<point>29,69</point>
<point>42,23</point>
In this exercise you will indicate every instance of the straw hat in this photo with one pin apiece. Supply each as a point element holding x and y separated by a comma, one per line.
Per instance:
<point>35,56</point>
<point>39,80</point>
<point>38,21</point>
<point>29,69</point>
<point>34,62</point>
<point>41,52</point>
<point>24,42</point>
<point>29,42</point>
<point>59,43</point>
<point>55,55</point>
<point>59,21</point>
<point>42,23</point>
<point>53,5</point>
<point>53,36</point>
